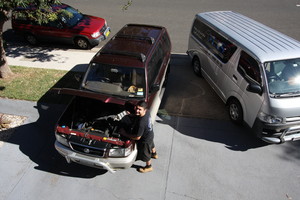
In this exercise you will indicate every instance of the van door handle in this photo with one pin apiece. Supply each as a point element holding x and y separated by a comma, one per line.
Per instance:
<point>234,77</point>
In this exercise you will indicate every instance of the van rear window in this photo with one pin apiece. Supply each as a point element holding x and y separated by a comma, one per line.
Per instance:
<point>213,41</point>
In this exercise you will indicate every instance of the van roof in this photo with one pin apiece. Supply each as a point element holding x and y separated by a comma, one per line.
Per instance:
<point>262,41</point>
<point>133,43</point>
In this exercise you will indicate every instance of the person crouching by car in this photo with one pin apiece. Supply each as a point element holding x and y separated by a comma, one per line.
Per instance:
<point>143,133</point>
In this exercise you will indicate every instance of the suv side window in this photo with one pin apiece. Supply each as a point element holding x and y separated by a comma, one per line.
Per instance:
<point>166,43</point>
<point>20,17</point>
<point>249,68</point>
<point>222,48</point>
<point>155,64</point>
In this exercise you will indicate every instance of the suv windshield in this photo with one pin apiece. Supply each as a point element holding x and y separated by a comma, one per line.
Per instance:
<point>115,80</point>
<point>74,17</point>
<point>283,77</point>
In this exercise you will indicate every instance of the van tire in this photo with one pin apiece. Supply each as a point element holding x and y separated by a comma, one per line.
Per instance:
<point>235,111</point>
<point>31,39</point>
<point>197,66</point>
<point>82,43</point>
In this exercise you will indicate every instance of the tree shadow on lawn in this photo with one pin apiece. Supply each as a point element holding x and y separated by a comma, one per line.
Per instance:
<point>36,140</point>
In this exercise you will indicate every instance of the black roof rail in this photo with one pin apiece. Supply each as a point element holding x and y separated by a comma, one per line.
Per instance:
<point>140,56</point>
<point>136,37</point>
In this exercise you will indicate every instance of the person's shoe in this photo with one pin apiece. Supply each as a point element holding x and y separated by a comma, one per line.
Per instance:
<point>145,169</point>
<point>154,155</point>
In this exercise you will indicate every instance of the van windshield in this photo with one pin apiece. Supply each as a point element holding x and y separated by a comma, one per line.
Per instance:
<point>126,82</point>
<point>283,77</point>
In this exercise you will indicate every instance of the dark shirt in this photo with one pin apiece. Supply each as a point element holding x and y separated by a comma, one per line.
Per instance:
<point>144,128</point>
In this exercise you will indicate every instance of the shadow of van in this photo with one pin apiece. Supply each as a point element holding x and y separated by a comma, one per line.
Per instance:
<point>193,108</point>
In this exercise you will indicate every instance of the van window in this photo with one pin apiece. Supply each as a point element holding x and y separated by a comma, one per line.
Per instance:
<point>249,68</point>
<point>283,76</point>
<point>217,44</point>
<point>155,64</point>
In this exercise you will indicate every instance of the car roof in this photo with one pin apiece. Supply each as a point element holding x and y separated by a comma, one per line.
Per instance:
<point>261,41</point>
<point>133,43</point>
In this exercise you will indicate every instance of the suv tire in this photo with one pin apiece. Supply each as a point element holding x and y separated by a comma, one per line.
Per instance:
<point>82,43</point>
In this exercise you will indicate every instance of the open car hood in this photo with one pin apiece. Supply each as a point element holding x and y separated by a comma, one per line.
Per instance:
<point>89,94</point>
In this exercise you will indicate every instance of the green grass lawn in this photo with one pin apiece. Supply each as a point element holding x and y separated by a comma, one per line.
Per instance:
<point>33,84</point>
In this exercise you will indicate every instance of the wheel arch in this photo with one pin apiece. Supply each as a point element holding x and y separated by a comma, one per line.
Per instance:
<point>81,37</point>
<point>240,101</point>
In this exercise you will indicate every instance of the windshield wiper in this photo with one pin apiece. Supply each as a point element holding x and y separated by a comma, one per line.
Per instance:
<point>290,94</point>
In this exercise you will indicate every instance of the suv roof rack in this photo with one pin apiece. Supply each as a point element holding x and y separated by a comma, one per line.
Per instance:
<point>136,37</point>
<point>140,56</point>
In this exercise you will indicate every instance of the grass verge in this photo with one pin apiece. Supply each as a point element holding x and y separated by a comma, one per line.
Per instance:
<point>33,84</point>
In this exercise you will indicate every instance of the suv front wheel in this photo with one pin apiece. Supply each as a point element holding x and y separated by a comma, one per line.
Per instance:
<point>82,43</point>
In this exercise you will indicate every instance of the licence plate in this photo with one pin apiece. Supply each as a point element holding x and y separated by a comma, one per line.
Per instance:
<point>107,32</point>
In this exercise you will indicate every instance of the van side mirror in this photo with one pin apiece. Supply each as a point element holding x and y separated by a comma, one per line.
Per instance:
<point>154,88</point>
<point>255,88</point>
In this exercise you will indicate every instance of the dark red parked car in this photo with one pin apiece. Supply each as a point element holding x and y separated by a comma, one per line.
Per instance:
<point>71,27</point>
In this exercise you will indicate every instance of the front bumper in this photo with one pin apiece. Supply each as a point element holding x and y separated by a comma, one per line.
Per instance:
<point>290,134</point>
<point>277,133</point>
<point>96,41</point>
<point>109,164</point>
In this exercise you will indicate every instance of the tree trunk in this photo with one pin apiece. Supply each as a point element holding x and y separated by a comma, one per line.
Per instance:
<point>5,71</point>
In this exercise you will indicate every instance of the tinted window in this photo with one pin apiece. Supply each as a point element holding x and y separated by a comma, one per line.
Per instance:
<point>155,64</point>
<point>217,44</point>
<point>166,43</point>
<point>249,68</point>
<point>20,17</point>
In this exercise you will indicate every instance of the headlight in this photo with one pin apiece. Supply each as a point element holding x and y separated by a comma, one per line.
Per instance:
<point>96,34</point>
<point>120,152</point>
<point>270,119</point>
<point>61,139</point>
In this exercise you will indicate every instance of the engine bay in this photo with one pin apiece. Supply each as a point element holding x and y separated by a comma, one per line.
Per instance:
<point>87,121</point>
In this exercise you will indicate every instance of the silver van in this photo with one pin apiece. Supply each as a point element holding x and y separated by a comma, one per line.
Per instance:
<point>254,69</point>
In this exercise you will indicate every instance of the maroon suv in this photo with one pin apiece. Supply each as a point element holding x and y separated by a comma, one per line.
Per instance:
<point>70,27</point>
<point>132,66</point>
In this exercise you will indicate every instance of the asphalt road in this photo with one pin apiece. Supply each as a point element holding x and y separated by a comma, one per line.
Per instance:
<point>201,154</point>
<point>177,15</point>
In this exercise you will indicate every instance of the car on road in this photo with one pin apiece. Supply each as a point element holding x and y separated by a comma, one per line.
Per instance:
<point>132,66</point>
<point>71,26</point>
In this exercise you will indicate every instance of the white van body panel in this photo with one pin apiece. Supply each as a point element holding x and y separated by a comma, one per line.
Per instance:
<point>271,111</point>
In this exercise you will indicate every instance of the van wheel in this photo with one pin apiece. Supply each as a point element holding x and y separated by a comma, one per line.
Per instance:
<point>82,43</point>
<point>31,39</point>
<point>197,66</point>
<point>235,111</point>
